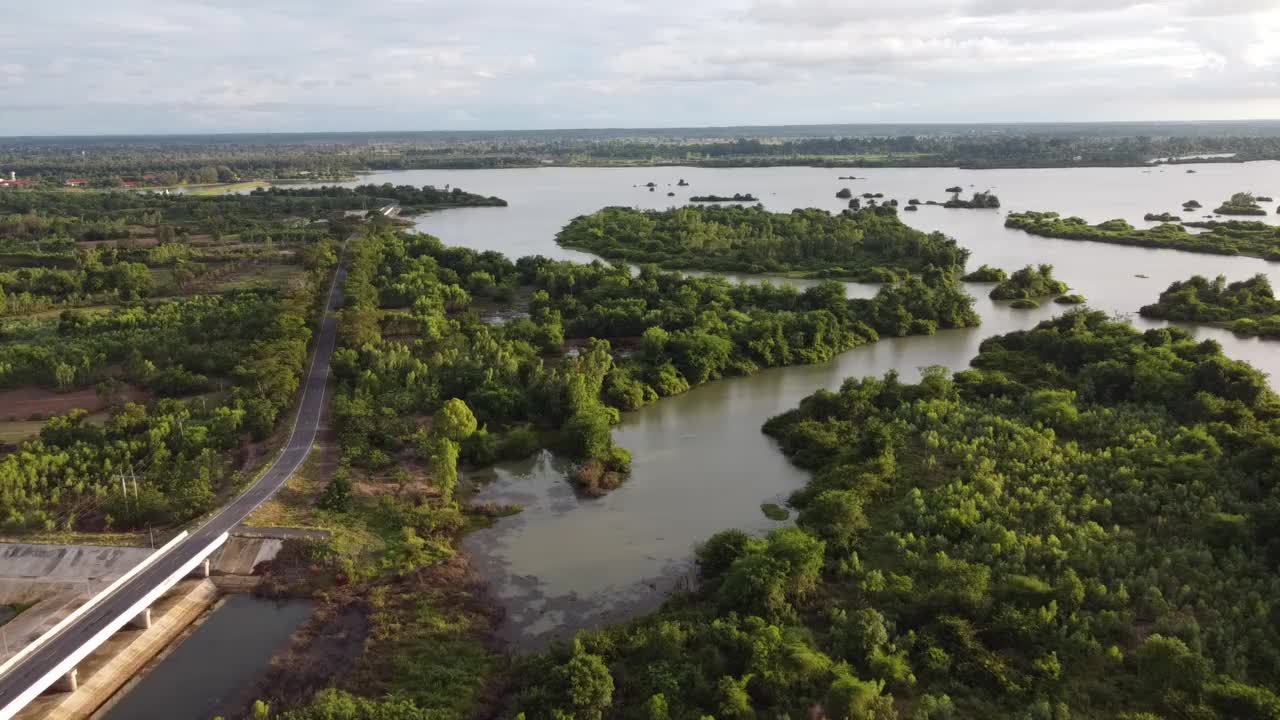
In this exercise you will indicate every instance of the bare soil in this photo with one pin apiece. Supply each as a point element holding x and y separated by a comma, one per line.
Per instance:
<point>22,403</point>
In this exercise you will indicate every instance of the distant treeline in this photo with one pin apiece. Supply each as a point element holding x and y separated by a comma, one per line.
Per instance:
<point>208,159</point>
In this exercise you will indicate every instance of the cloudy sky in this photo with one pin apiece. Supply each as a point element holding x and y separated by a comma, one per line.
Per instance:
<point>87,66</point>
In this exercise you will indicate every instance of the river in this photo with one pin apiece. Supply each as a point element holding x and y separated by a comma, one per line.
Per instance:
<point>701,463</point>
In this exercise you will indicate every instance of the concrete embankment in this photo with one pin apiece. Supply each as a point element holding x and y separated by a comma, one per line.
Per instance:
<point>59,579</point>
<point>126,654</point>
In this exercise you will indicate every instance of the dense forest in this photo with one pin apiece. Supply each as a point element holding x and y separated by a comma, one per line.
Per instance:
<point>1247,307</point>
<point>221,367</point>
<point>1082,525</point>
<point>870,245</point>
<point>1253,238</point>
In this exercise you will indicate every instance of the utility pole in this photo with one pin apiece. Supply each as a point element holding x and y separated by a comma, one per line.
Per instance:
<point>152,533</point>
<point>135,485</point>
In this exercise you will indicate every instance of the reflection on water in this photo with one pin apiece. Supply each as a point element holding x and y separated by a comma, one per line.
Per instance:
<point>216,664</point>
<point>700,461</point>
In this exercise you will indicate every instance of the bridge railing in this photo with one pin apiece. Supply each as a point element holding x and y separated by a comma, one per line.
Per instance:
<point>91,603</point>
<point>76,656</point>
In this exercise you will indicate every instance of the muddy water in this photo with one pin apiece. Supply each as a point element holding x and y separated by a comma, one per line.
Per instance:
<point>216,663</point>
<point>701,463</point>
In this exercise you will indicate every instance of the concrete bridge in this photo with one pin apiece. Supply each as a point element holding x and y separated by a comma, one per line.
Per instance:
<point>50,661</point>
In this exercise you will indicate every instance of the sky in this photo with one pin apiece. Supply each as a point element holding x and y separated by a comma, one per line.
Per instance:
<point>142,66</point>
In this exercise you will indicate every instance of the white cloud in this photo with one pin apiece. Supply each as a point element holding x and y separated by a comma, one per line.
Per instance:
<point>320,64</point>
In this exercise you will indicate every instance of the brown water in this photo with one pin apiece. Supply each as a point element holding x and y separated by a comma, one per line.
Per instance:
<point>701,463</point>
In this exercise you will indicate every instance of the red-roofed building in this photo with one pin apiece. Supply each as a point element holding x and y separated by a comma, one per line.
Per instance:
<point>77,182</point>
<point>13,181</point>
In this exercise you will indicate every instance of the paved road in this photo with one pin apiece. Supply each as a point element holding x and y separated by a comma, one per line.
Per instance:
<point>37,664</point>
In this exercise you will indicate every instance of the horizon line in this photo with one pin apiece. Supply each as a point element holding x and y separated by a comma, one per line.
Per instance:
<point>667,128</point>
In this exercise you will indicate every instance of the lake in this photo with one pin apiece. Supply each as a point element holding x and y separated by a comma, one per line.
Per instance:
<point>701,463</point>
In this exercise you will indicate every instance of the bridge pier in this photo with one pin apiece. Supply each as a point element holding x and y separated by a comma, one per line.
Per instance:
<point>203,569</point>
<point>142,621</point>
<point>68,682</point>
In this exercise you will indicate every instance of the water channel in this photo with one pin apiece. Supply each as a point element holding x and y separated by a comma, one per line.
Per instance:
<point>221,658</point>
<point>701,463</point>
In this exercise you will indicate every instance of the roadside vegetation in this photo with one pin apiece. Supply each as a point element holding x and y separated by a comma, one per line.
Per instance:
<point>1247,307</point>
<point>148,346</point>
<point>871,245</point>
<point>1079,526</point>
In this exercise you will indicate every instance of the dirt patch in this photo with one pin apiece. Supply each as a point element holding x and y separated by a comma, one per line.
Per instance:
<point>322,653</point>
<point>24,403</point>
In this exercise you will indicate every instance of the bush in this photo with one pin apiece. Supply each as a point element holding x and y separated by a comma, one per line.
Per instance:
<point>336,496</point>
<point>519,443</point>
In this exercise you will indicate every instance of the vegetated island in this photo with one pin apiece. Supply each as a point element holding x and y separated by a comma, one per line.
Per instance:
<point>870,245</point>
<point>1241,203</point>
<point>737,197</point>
<point>1235,237</point>
<point>411,199</point>
<point>960,537</point>
<point>1248,307</point>
<point>1162,217</point>
<point>986,274</point>
<point>979,201</point>
<point>1029,283</point>
<point>1192,205</point>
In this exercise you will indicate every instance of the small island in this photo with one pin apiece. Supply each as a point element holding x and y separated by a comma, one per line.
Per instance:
<point>986,274</point>
<point>1032,281</point>
<point>911,208</point>
<point>1234,237</point>
<point>1248,307</point>
<point>979,201</point>
<point>848,177</point>
<point>737,197</point>
<point>1162,217</point>
<point>1263,198</point>
<point>955,189</point>
<point>869,245</point>
<point>1069,299</point>
<point>408,199</point>
<point>1241,203</point>
<point>844,193</point>
<point>1024,304</point>
<point>1192,205</point>
<point>682,183</point>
